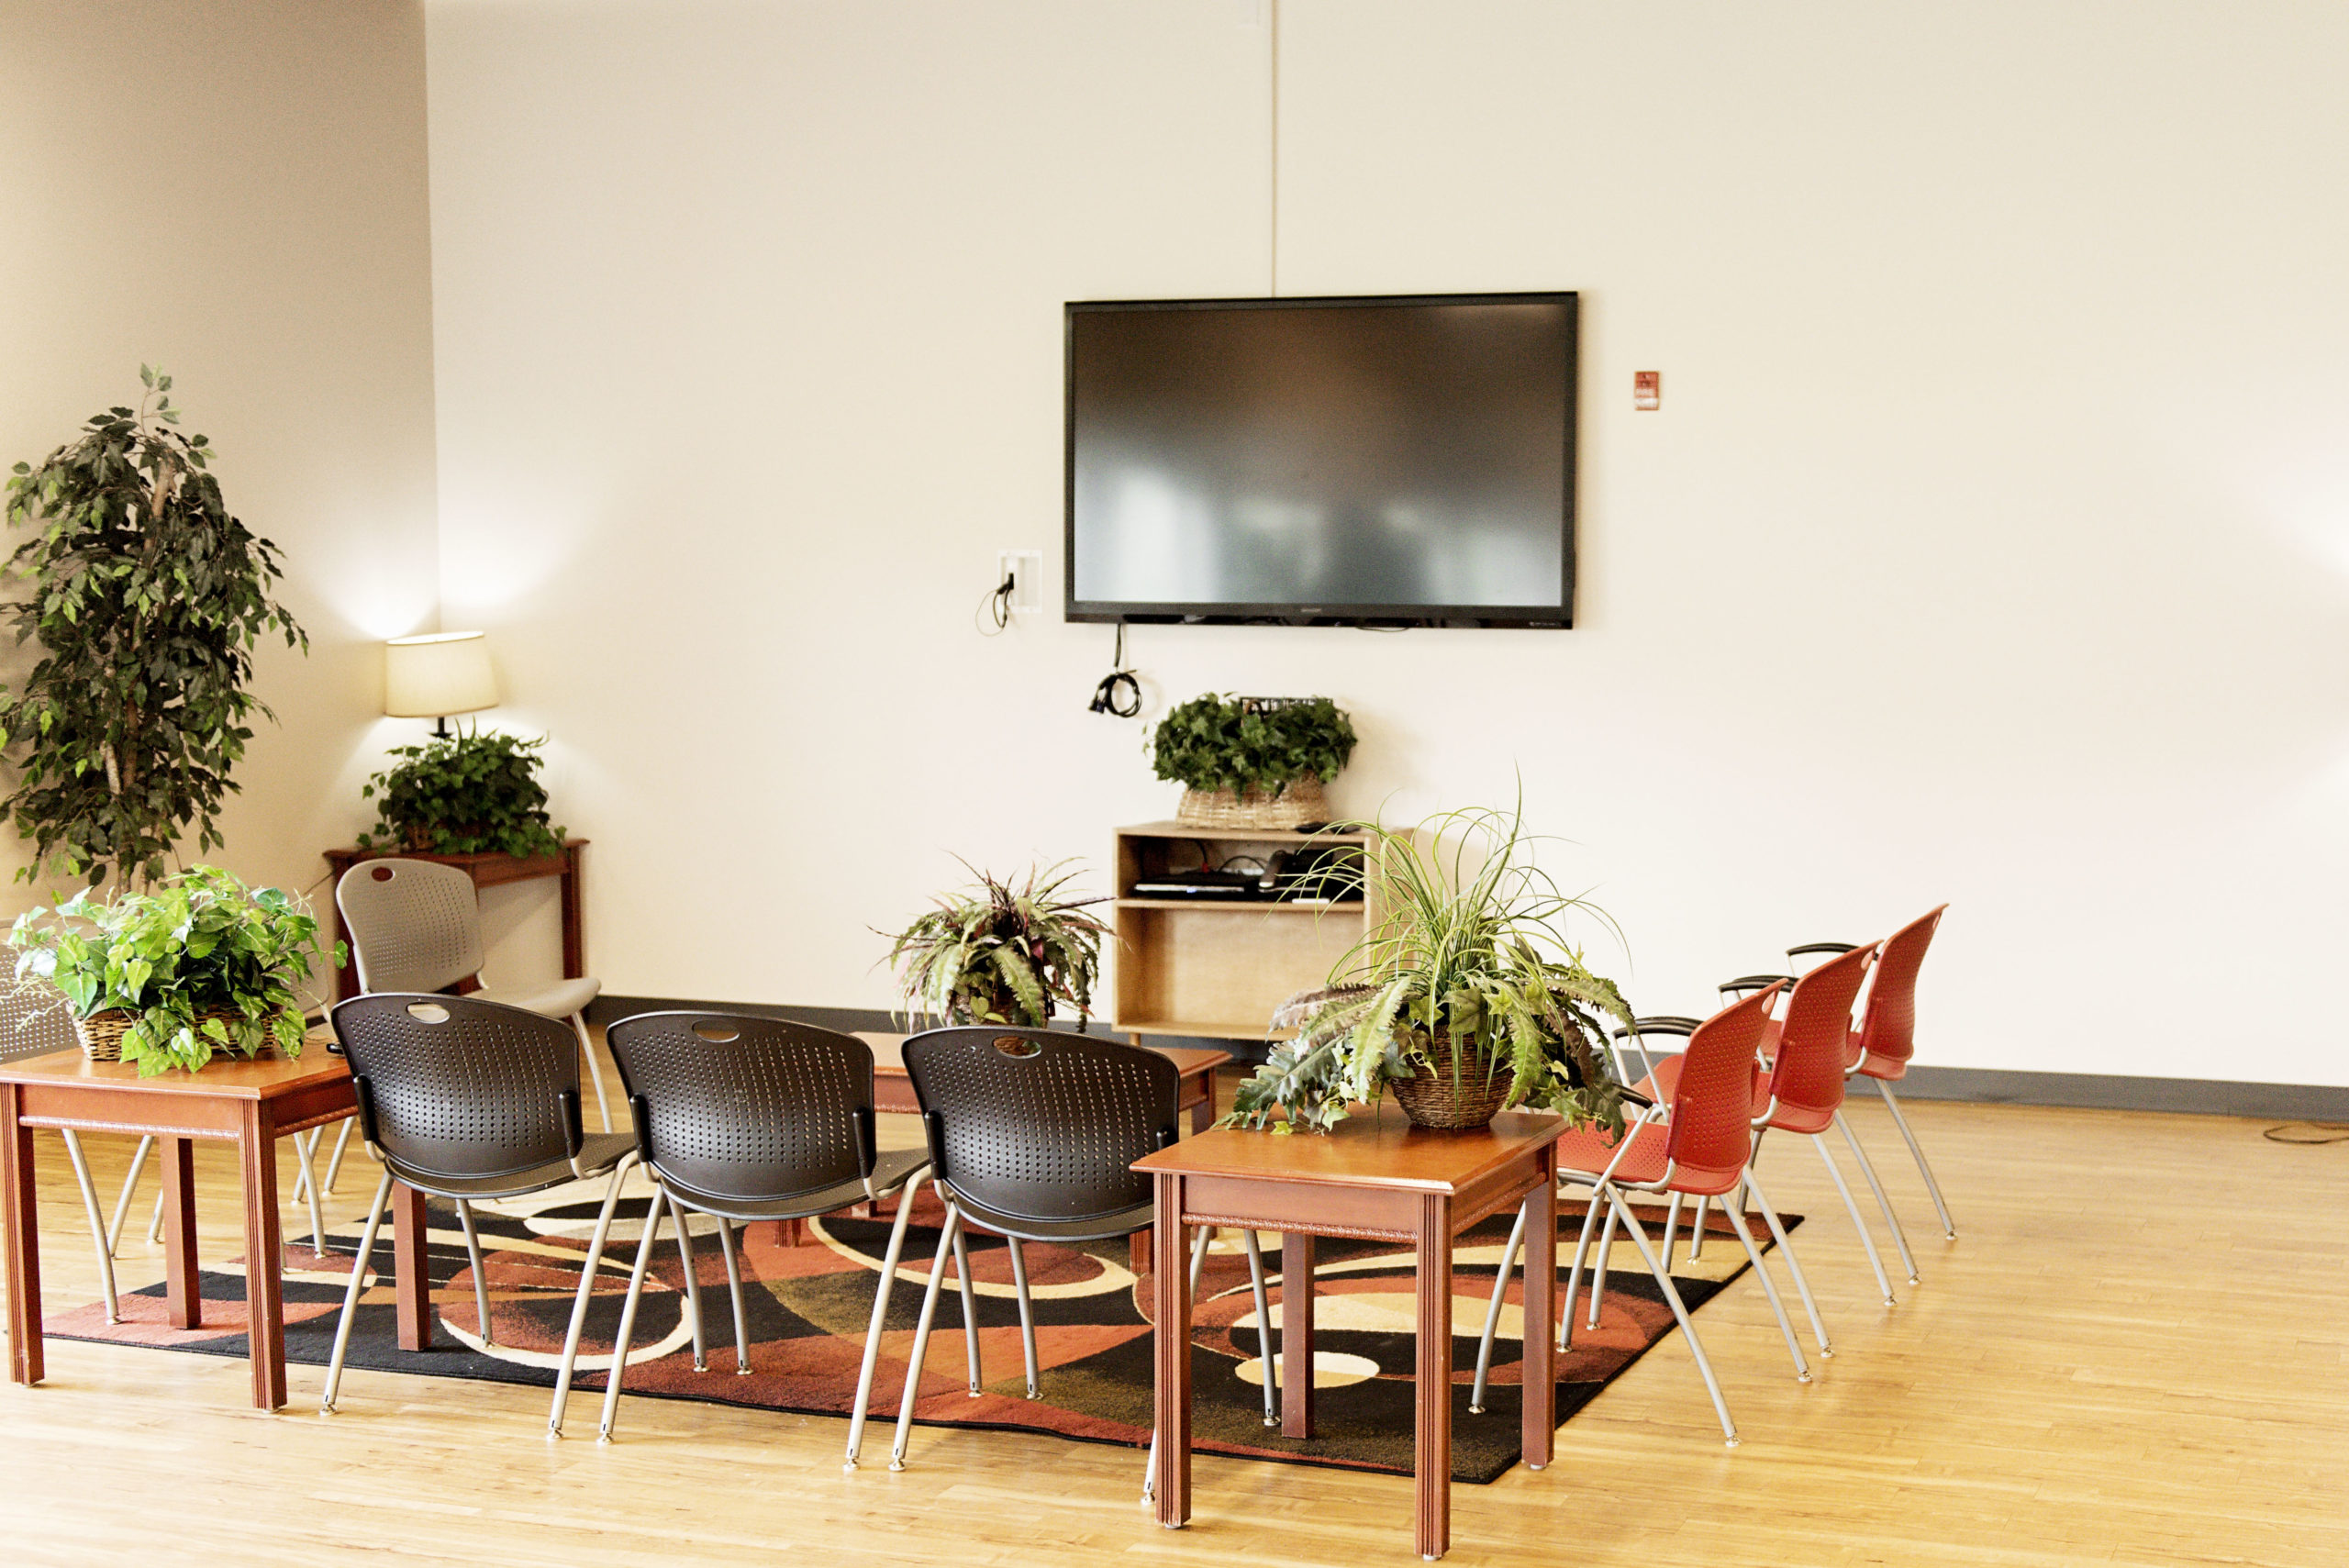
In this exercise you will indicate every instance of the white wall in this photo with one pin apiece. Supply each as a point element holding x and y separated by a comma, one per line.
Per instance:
<point>1989,546</point>
<point>236,192</point>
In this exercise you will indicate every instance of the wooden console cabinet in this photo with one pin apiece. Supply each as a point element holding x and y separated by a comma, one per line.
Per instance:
<point>1218,970</point>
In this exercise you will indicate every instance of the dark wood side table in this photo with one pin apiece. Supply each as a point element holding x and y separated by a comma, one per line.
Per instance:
<point>254,1103</point>
<point>1379,1179</point>
<point>487,871</point>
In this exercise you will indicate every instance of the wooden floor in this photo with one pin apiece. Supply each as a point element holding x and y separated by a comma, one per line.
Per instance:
<point>2137,1353</point>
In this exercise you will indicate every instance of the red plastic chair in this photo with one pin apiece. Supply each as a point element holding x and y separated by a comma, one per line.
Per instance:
<point>1698,1144</point>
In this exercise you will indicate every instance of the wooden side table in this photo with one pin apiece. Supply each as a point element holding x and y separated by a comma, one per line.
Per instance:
<point>487,871</point>
<point>254,1103</point>
<point>1375,1178</point>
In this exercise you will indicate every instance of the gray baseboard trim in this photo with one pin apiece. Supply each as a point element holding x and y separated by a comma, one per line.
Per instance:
<point>1977,1085</point>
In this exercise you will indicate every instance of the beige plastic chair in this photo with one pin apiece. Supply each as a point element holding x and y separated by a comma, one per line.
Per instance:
<point>415,926</point>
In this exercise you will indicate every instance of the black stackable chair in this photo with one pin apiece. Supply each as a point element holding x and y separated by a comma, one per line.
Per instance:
<point>1033,1134</point>
<point>752,1119</point>
<point>470,1101</point>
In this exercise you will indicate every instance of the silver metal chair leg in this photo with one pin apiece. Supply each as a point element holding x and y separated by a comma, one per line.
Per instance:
<point>1573,1274</point>
<point>1680,1312</point>
<point>1671,1225</point>
<point>946,1239</point>
<point>1263,1327</point>
<point>97,1223</point>
<point>970,1307</point>
<point>129,1191</point>
<point>1026,1313</point>
<point>1917,1152</point>
<point>1598,1268</point>
<point>341,1143</point>
<point>1891,1220</point>
<point>692,1283</point>
<point>1493,1313</point>
<point>880,1290</point>
<point>594,1068</point>
<point>1697,1233</point>
<point>586,1292</point>
<point>307,1145</point>
<point>734,1288</point>
<point>1769,1288</point>
<point>306,1169</point>
<point>1793,1263</point>
<point>481,1269</point>
<point>644,1247</point>
<point>155,1222</point>
<point>1867,1242</point>
<point>351,1297</point>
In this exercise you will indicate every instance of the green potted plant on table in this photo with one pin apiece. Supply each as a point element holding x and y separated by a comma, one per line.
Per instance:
<point>148,598</point>
<point>198,965</point>
<point>1252,762</point>
<point>1467,999</point>
<point>463,793</point>
<point>997,955</point>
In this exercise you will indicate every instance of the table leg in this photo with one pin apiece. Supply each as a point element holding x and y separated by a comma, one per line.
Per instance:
<point>1138,1254</point>
<point>1171,1311</point>
<point>1431,1455</point>
<point>574,922</point>
<point>1296,1334</point>
<point>181,1287</point>
<point>17,1197</point>
<point>264,1256</point>
<point>1541,1377</point>
<point>1203,1113</point>
<point>414,1288</point>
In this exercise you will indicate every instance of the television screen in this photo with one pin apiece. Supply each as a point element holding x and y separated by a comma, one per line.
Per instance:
<point>1391,460</point>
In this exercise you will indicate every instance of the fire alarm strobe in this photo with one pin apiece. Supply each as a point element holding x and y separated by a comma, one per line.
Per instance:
<point>1647,389</point>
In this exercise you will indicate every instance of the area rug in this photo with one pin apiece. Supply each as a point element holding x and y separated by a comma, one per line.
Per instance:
<point>809,1298</point>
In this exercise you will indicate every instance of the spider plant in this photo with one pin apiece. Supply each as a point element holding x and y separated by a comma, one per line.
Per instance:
<point>1470,970</point>
<point>1000,954</point>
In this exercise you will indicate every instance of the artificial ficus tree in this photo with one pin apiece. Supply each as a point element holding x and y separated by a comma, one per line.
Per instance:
<point>147,599</point>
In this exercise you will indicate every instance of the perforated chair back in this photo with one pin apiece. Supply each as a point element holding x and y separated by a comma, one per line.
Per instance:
<point>1808,1079</point>
<point>1040,1125</point>
<point>746,1109</point>
<point>1712,1106</point>
<point>34,1019</point>
<point>1888,1029</point>
<point>414,925</point>
<point>453,1089</point>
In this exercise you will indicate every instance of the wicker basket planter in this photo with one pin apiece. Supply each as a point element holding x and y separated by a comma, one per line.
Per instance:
<point>1434,1099</point>
<point>101,1034</point>
<point>1297,801</point>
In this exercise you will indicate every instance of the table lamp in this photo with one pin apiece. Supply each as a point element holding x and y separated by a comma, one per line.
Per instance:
<point>438,674</point>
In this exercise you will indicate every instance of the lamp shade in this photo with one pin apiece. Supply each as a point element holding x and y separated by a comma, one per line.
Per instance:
<point>435,676</point>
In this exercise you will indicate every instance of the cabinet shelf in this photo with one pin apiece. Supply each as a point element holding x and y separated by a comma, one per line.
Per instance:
<point>1244,906</point>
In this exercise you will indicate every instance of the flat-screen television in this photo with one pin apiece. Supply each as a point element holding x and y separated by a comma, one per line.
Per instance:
<point>1383,460</point>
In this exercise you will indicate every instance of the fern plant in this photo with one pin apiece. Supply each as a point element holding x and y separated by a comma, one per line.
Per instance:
<point>1471,947</point>
<point>1001,954</point>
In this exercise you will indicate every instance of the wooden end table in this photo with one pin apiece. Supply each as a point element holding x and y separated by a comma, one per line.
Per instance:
<point>487,871</point>
<point>253,1103</point>
<point>1375,1178</point>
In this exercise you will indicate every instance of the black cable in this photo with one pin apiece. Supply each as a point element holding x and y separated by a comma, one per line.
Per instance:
<point>996,606</point>
<point>1118,695</point>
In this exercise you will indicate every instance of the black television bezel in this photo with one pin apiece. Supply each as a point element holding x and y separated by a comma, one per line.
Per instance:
<point>1138,613</point>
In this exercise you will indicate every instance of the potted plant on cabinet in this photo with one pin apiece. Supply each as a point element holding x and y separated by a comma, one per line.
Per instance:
<point>198,965</point>
<point>1467,999</point>
<point>1252,762</point>
<point>464,793</point>
<point>997,955</point>
<point>147,600</point>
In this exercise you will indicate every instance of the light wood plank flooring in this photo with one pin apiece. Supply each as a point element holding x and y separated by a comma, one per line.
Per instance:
<point>2136,1353</point>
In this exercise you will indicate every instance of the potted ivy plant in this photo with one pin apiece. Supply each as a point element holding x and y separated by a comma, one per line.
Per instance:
<point>1467,999</point>
<point>195,966</point>
<point>998,954</point>
<point>1252,762</point>
<point>469,793</point>
<point>147,599</point>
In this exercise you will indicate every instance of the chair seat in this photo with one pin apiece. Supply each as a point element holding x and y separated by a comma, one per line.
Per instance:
<point>1858,1059</point>
<point>891,1170</point>
<point>1586,1151</point>
<point>1089,1227</point>
<point>598,1152</point>
<point>557,999</point>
